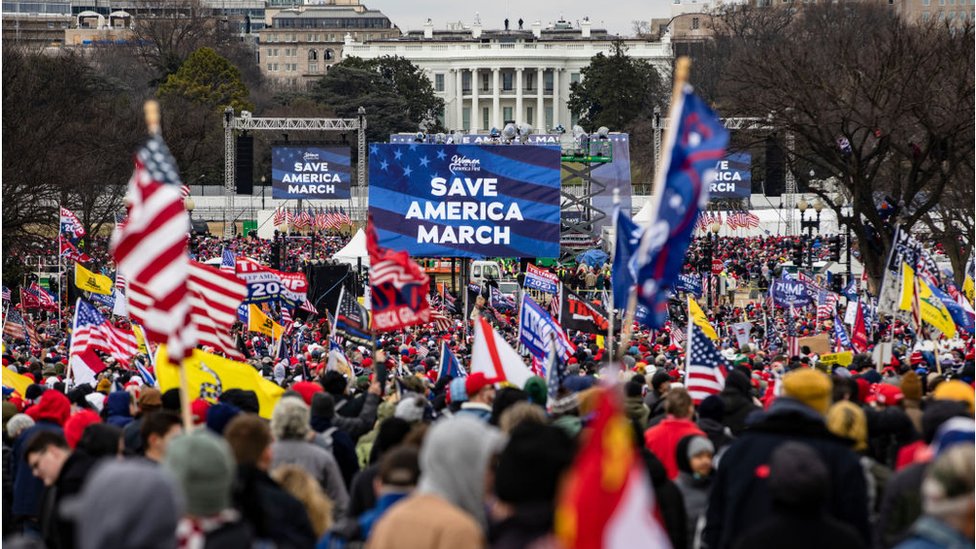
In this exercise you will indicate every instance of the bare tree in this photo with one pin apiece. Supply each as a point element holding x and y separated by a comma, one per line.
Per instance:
<point>883,107</point>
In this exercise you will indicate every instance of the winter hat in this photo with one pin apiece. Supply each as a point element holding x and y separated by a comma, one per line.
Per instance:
<point>34,391</point>
<point>145,514</point>
<point>104,386</point>
<point>410,409</point>
<point>847,420</point>
<point>948,485</point>
<point>52,406</point>
<point>699,444</point>
<point>74,428</point>
<point>798,479</point>
<point>247,401</point>
<point>9,411</point>
<point>954,431</point>
<point>811,387</point>
<point>150,400</point>
<point>171,400</point>
<point>323,405</point>
<point>307,390</point>
<point>204,468</point>
<point>712,407</point>
<point>530,466</point>
<point>97,401</point>
<point>659,378</point>
<point>456,392</point>
<point>535,387</point>
<point>911,386</point>
<point>955,390</point>
<point>219,415</point>
<point>198,409</point>
<point>474,383</point>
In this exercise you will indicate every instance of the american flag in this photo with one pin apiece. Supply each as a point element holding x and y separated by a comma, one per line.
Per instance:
<point>14,326</point>
<point>752,220</point>
<point>440,320</point>
<point>732,219</point>
<point>90,330</point>
<point>45,299</point>
<point>289,217</point>
<point>677,336</point>
<point>184,191</point>
<point>826,304</point>
<point>792,341</point>
<point>344,218</point>
<point>706,368</point>
<point>279,217</point>
<point>151,249</point>
<point>228,263</point>
<point>286,320</point>
<point>307,306</point>
<point>6,293</point>
<point>302,220</point>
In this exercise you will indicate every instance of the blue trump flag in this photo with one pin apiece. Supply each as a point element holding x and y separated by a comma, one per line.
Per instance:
<point>622,276</point>
<point>689,283</point>
<point>840,335</point>
<point>449,364</point>
<point>695,145</point>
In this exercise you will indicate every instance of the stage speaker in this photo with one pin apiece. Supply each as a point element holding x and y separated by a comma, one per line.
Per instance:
<point>325,281</point>
<point>244,165</point>
<point>775,168</point>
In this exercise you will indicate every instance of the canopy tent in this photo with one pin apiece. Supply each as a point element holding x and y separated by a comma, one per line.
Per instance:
<point>354,251</point>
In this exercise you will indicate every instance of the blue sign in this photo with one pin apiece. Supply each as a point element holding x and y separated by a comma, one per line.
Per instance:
<point>786,292</point>
<point>690,283</point>
<point>733,177</point>
<point>466,200</point>
<point>310,172</point>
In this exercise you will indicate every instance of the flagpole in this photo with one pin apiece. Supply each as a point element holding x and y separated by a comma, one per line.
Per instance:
<point>681,70</point>
<point>612,311</point>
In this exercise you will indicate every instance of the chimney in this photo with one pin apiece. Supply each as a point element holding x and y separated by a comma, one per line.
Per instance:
<point>585,27</point>
<point>476,29</point>
<point>429,29</point>
<point>537,29</point>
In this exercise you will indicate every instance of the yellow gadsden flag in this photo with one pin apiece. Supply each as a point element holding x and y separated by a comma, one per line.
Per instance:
<point>208,376</point>
<point>16,382</point>
<point>932,309</point>
<point>698,316</point>
<point>91,282</point>
<point>259,322</point>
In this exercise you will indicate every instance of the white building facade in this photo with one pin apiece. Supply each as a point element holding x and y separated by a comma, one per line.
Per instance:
<point>490,78</point>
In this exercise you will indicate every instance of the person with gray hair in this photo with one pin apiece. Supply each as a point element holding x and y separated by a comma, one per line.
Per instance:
<point>293,445</point>
<point>18,424</point>
<point>949,502</point>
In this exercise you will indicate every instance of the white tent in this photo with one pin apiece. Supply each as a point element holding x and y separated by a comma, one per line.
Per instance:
<point>354,251</point>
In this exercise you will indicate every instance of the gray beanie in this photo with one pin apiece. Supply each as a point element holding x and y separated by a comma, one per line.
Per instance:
<point>204,468</point>
<point>410,409</point>
<point>698,445</point>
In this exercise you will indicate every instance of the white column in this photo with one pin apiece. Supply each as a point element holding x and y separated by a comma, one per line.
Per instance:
<point>475,111</point>
<point>496,114</point>
<point>519,115</point>
<point>540,114</point>
<point>556,118</point>
<point>459,94</point>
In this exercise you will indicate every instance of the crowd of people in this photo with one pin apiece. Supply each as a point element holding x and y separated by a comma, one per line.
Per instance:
<point>793,452</point>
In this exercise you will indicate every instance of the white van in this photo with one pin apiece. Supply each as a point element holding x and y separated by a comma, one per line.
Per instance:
<point>484,270</point>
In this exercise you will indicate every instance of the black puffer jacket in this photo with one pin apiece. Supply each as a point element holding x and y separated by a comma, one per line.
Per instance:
<point>737,397</point>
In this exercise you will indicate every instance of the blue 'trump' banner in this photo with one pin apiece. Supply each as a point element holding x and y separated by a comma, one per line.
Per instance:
<point>466,200</point>
<point>310,172</point>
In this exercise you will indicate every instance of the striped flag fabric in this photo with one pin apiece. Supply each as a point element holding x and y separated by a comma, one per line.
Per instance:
<point>792,341</point>
<point>279,217</point>
<point>705,367</point>
<point>440,321</point>
<point>90,330</point>
<point>228,263</point>
<point>286,319</point>
<point>44,298</point>
<point>6,293</point>
<point>289,217</point>
<point>214,298</point>
<point>151,249</point>
<point>826,304</point>
<point>14,326</point>
<point>752,220</point>
<point>398,287</point>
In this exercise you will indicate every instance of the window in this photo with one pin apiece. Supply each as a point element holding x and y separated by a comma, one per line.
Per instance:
<point>695,23</point>
<point>439,82</point>
<point>926,2</point>
<point>313,68</point>
<point>547,81</point>
<point>485,85</point>
<point>507,115</point>
<point>925,16</point>
<point>329,54</point>
<point>574,78</point>
<point>466,83</point>
<point>942,2</point>
<point>466,119</point>
<point>530,116</point>
<point>484,118</point>
<point>507,81</point>
<point>549,123</point>
<point>313,55</point>
<point>269,67</point>
<point>529,81</point>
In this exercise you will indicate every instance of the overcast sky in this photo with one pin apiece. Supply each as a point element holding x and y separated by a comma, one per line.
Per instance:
<point>613,15</point>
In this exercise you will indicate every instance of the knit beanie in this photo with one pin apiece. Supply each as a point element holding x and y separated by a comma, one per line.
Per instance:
<point>410,409</point>
<point>204,469</point>
<point>699,444</point>
<point>955,390</point>
<point>811,387</point>
<point>9,411</point>
<point>456,390</point>
<point>847,420</point>
<point>712,407</point>
<point>220,415</point>
<point>307,389</point>
<point>76,424</point>
<point>798,478</point>
<point>535,387</point>
<point>911,386</point>
<point>532,462</point>
<point>323,405</point>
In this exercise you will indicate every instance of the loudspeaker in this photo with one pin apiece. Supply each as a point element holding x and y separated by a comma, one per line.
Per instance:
<point>775,167</point>
<point>244,165</point>
<point>326,281</point>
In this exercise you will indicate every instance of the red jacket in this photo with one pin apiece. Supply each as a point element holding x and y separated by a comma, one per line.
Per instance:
<point>662,440</point>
